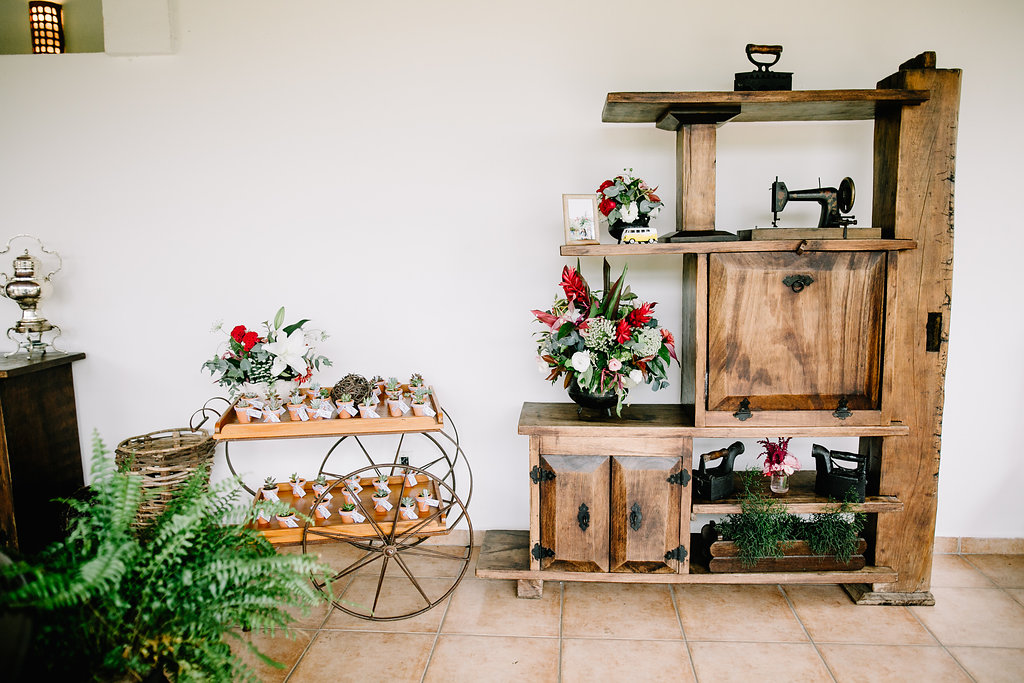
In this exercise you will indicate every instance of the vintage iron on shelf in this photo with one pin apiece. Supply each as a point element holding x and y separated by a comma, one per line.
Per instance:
<point>761,78</point>
<point>717,483</point>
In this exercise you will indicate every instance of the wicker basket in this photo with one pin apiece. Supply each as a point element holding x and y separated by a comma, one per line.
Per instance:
<point>165,459</point>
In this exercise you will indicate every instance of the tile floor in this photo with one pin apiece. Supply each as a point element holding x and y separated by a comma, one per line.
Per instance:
<point>612,632</point>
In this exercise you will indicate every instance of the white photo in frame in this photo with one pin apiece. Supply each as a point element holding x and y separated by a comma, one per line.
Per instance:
<point>580,214</point>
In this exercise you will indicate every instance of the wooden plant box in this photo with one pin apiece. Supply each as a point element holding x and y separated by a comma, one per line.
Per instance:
<point>281,535</point>
<point>230,429</point>
<point>724,558</point>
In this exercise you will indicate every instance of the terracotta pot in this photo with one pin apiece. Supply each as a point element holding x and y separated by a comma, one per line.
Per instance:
<point>405,508</point>
<point>418,409</point>
<point>394,410</point>
<point>342,413</point>
<point>349,498</point>
<point>363,410</point>
<point>346,516</point>
<point>293,411</point>
<point>243,415</point>
<point>421,503</point>
<point>376,504</point>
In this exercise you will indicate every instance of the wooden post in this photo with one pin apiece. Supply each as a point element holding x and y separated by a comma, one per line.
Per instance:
<point>915,158</point>
<point>695,176</point>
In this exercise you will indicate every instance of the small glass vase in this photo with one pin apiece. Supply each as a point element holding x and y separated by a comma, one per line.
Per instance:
<point>780,482</point>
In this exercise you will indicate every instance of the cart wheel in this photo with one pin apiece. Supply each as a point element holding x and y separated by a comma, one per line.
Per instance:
<point>385,568</point>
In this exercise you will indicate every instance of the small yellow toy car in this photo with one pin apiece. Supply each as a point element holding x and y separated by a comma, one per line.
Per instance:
<point>639,236</point>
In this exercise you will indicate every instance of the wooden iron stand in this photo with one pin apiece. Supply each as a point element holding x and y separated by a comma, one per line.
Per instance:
<point>383,555</point>
<point>863,354</point>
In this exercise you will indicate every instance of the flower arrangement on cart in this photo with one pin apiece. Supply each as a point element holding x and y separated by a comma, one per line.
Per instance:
<point>604,342</point>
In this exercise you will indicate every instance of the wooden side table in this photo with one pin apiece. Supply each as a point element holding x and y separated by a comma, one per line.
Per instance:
<point>40,456</point>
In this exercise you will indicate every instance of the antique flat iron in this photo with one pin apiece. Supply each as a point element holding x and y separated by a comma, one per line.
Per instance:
<point>761,78</point>
<point>717,483</point>
<point>835,481</point>
<point>834,202</point>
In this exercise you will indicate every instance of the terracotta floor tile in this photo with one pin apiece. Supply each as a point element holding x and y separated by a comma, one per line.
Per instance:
<point>619,610</point>
<point>762,662</point>
<point>830,616</point>
<point>349,655</point>
<point>954,571</point>
<point>487,606</point>
<point>983,617</point>
<point>991,664</point>
<point>585,660</point>
<point>284,649</point>
<point>873,663</point>
<point>748,613</point>
<point>398,597</point>
<point>471,659</point>
<point>1006,571</point>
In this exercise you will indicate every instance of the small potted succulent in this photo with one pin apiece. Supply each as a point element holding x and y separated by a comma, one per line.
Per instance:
<point>423,500</point>
<point>320,409</point>
<point>377,384</point>
<point>345,406</point>
<point>297,407</point>
<point>393,388</point>
<point>320,485</point>
<point>322,510</point>
<point>415,381</point>
<point>349,496</point>
<point>346,512</point>
<point>244,408</point>
<point>381,483</point>
<point>410,479</point>
<point>297,483</point>
<point>269,490</point>
<point>380,501</point>
<point>324,393</point>
<point>408,508</point>
<point>313,390</point>
<point>273,409</point>
<point>419,402</point>
<point>366,408</point>
<point>287,520</point>
<point>353,483</point>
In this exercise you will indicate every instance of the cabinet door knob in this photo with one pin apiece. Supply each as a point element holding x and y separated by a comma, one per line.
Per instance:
<point>636,517</point>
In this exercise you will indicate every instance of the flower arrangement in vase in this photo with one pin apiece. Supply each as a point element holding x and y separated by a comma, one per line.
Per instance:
<point>627,201</point>
<point>281,356</point>
<point>604,343</point>
<point>779,463</point>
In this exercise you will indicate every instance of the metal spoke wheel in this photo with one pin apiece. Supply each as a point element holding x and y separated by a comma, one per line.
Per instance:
<point>390,567</point>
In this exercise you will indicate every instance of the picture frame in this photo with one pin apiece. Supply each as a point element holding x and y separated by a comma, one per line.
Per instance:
<point>580,216</point>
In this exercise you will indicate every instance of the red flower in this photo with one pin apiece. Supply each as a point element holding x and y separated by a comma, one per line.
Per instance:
<point>641,315</point>
<point>238,333</point>
<point>604,186</point>
<point>583,324</point>
<point>607,206</point>
<point>575,286</point>
<point>249,340</point>
<point>623,332</point>
<point>670,342</point>
<point>653,198</point>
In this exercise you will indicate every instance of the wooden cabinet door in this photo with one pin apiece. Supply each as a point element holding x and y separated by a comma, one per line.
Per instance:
<point>574,513</point>
<point>789,350</point>
<point>644,514</point>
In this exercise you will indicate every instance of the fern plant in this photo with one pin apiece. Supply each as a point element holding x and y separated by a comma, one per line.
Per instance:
<point>110,601</point>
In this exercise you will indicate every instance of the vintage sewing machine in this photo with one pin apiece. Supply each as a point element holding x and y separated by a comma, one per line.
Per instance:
<point>717,483</point>
<point>834,202</point>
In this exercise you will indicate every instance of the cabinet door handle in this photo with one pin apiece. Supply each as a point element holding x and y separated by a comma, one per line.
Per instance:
<point>797,282</point>
<point>636,517</point>
<point>583,517</point>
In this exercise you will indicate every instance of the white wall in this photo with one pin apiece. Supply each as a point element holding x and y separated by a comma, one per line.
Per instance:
<point>297,157</point>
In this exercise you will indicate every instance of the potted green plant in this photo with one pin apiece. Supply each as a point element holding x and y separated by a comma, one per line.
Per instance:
<point>353,483</point>
<point>423,500</point>
<point>347,512</point>
<point>297,483</point>
<point>320,409</point>
<point>420,396</point>
<point>244,408</point>
<point>380,501</point>
<point>113,602</point>
<point>297,407</point>
<point>320,487</point>
<point>381,483</point>
<point>346,408</point>
<point>393,388</point>
<point>273,408</point>
<point>269,490</point>
<point>366,409</point>
<point>407,508</point>
<point>415,381</point>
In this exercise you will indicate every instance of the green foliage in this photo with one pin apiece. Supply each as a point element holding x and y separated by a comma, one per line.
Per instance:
<point>110,601</point>
<point>763,526</point>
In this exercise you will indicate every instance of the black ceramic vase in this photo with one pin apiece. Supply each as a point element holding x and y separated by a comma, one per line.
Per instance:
<point>586,399</point>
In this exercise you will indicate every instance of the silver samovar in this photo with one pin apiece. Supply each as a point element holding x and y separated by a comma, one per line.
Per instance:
<point>25,289</point>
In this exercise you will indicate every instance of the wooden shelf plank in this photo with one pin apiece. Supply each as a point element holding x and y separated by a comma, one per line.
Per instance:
<point>732,247</point>
<point>504,556</point>
<point>791,105</point>
<point>801,499</point>
<point>666,420</point>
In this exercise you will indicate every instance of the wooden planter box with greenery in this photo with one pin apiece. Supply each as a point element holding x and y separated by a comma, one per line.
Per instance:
<point>764,537</point>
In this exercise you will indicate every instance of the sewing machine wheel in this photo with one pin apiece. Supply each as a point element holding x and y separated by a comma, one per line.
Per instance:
<point>846,195</point>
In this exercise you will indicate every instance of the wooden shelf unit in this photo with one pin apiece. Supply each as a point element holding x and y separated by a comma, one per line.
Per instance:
<point>868,333</point>
<point>800,500</point>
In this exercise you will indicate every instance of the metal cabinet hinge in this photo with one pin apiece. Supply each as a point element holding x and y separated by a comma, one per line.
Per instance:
<point>682,478</point>
<point>744,412</point>
<point>678,554</point>
<point>539,552</point>
<point>539,474</point>
<point>843,410</point>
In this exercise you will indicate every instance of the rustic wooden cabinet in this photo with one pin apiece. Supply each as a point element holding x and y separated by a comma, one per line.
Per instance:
<point>856,348</point>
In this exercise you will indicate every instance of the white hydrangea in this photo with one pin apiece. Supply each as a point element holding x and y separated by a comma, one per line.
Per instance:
<point>600,334</point>
<point>648,340</point>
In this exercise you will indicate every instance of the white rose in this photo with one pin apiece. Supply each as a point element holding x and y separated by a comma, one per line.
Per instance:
<point>614,364</point>
<point>654,213</point>
<point>635,376</point>
<point>629,212</point>
<point>581,361</point>
<point>542,366</point>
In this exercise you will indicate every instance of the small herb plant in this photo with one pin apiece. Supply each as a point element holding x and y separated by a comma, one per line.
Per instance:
<point>295,398</point>
<point>294,478</point>
<point>345,398</point>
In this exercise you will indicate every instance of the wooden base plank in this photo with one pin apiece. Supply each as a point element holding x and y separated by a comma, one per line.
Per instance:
<point>863,595</point>
<point>529,589</point>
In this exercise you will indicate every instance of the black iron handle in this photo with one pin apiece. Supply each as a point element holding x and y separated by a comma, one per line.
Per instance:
<point>797,282</point>
<point>636,517</point>
<point>583,517</point>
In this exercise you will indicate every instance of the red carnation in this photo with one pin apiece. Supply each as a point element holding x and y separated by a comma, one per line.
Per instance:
<point>249,340</point>
<point>575,286</point>
<point>238,333</point>
<point>607,206</point>
<point>623,333</point>
<point>604,186</point>
<point>641,315</point>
